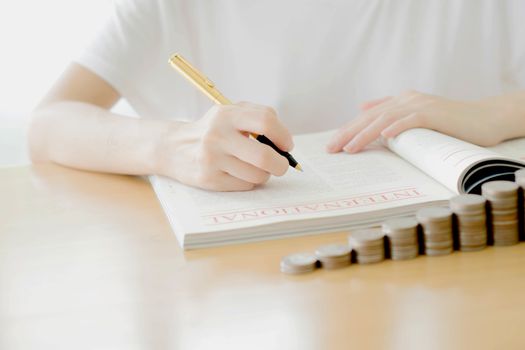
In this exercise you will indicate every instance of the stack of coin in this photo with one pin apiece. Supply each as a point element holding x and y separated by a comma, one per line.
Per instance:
<point>368,245</point>
<point>472,221</point>
<point>402,233</point>
<point>437,230</point>
<point>503,199</point>
<point>298,263</point>
<point>333,256</point>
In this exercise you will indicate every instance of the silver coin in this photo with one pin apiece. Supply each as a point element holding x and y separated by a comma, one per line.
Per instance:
<point>369,259</point>
<point>292,271</point>
<point>504,214</point>
<point>366,236</point>
<point>505,243</point>
<point>437,234</point>
<point>472,222</point>
<point>438,252</point>
<point>431,214</point>
<point>338,260</point>
<point>437,225</point>
<point>502,201</point>
<point>438,245</point>
<point>467,202</point>
<point>332,250</point>
<point>506,238</point>
<point>498,240</point>
<point>404,249</point>
<point>504,218</point>
<point>335,266</point>
<point>472,248</point>
<point>298,263</point>
<point>507,204</point>
<point>404,241</point>
<point>479,212</point>
<point>503,224</point>
<point>402,234</point>
<point>481,243</point>
<point>473,233</point>
<point>472,240</point>
<point>499,189</point>
<point>402,244</point>
<point>469,234</point>
<point>438,238</point>
<point>468,219</point>
<point>405,256</point>
<point>300,259</point>
<point>399,225</point>
<point>496,211</point>
<point>473,228</point>
<point>499,207</point>
<point>508,211</point>
<point>437,230</point>
<point>506,233</point>
<point>370,252</point>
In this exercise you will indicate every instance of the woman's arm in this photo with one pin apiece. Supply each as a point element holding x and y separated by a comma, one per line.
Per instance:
<point>74,127</point>
<point>484,122</point>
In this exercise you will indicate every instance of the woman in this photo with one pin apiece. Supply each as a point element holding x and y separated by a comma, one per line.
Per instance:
<point>457,67</point>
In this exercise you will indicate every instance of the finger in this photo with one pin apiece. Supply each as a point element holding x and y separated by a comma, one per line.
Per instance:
<point>373,103</point>
<point>345,134</point>
<point>413,120</point>
<point>257,154</point>
<point>244,171</point>
<point>248,104</point>
<point>226,183</point>
<point>263,120</point>
<point>373,131</point>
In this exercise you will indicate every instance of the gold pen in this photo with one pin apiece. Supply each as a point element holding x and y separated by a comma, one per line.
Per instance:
<point>208,88</point>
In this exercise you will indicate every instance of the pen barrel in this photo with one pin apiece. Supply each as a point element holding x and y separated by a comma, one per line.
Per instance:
<point>263,139</point>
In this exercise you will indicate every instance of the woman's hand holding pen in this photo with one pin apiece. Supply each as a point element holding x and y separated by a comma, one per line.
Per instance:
<point>484,122</point>
<point>214,152</point>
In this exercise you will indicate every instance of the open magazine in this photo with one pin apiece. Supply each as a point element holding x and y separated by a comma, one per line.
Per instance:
<point>338,192</point>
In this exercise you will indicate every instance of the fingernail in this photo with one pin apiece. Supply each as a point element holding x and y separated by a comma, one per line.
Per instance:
<point>350,148</point>
<point>386,134</point>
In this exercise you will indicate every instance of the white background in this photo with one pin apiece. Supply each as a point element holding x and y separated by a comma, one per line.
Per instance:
<point>38,38</point>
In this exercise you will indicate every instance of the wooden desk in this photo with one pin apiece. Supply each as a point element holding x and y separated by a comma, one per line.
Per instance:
<point>88,261</point>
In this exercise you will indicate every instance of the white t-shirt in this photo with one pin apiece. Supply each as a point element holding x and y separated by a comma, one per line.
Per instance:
<point>314,61</point>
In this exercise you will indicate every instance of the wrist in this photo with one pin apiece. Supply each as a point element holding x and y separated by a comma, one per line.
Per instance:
<point>167,136</point>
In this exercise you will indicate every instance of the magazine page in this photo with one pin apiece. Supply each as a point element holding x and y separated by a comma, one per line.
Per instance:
<point>460,166</point>
<point>331,185</point>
